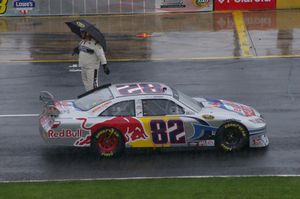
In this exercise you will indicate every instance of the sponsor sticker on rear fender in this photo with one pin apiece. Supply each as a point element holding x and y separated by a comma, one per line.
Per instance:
<point>65,133</point>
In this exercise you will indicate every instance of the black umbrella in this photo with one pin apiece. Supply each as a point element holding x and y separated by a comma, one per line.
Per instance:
<point>82,25</point>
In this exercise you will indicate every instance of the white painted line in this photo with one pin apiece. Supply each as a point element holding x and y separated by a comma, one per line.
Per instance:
<point>150,178</point>
<point>74,70</point>
<point>20,115</point>
<point>74,66</point>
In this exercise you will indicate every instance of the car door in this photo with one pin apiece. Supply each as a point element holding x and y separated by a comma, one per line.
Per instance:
<point>162,121</point>
<point>122,116</point>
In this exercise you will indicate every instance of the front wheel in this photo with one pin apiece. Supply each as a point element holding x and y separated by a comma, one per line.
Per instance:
<point>108,142</point>
<point>232,136</point>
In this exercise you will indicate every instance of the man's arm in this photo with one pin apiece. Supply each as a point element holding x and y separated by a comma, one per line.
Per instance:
<point>76,49</point>
<point>100,54</point>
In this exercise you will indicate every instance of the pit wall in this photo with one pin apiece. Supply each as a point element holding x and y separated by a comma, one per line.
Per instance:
<point>93,7</point>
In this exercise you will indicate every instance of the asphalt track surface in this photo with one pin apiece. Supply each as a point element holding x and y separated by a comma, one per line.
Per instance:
<point>272,86</point>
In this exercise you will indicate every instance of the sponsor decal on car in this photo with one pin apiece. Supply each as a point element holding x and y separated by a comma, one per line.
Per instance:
<point>83,141</point>
<point>127,89</point>
<point>101,106</point>
<point>167,132</point>
<point>131,128</point>
<point>206,143</point>
<point>65,133</point>
<point>232,106</point>
<point>208,117</point>
<point>259,140</point>
<point>200,130</point>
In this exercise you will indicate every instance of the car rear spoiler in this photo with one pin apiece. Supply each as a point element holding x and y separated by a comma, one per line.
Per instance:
<point>48,101</point>
<point>47,98</point>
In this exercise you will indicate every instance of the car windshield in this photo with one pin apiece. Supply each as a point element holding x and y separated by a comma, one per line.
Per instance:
<point>187,100</point>
<point>90,101</point>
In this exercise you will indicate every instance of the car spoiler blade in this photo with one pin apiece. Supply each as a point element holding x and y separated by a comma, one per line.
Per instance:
<point>49,104</point>
<point>47,98</point>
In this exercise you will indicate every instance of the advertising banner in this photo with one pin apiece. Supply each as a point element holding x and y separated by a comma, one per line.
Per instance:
<point>16,7</point>
<point>245,4</point>
<point>92,7</point>
<point>183,5</point>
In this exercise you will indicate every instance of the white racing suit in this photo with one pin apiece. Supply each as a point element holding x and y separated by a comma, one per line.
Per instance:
<point>91,54</point>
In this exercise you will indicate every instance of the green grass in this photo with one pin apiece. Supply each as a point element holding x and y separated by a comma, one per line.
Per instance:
<point>215,188</point>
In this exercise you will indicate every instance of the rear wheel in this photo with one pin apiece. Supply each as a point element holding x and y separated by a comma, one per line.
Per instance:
<point>108,142</point>
<point>232,136</point>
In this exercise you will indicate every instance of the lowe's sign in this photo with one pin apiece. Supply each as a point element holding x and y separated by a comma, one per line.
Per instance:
<point>24,4</point>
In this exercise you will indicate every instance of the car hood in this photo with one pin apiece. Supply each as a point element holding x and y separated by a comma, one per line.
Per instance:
<point>216,104</point>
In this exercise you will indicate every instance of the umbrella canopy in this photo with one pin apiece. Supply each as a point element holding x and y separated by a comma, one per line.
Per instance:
<point>82,25</point>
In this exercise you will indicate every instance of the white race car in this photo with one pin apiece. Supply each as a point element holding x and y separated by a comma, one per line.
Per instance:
<point>113,117</point>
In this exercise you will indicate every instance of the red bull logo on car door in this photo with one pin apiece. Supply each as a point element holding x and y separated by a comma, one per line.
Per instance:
<point>131,128</point>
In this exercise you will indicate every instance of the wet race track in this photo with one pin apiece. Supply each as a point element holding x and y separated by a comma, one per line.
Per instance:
<point>265,77</point>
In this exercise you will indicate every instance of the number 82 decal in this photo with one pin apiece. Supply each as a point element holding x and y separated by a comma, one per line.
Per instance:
<point>3,6</point>
<point>171,132</point>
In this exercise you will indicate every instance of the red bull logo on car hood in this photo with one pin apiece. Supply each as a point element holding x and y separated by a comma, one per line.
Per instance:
<point>232,106</point>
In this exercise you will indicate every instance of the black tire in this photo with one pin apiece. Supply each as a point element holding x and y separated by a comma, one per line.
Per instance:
<point>108,142</point>
<point>232,136</point>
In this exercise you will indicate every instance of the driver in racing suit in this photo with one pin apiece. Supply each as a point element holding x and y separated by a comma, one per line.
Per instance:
<point>91,55</point>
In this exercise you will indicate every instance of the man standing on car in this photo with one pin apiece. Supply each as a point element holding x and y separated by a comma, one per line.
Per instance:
<point>91,55</point>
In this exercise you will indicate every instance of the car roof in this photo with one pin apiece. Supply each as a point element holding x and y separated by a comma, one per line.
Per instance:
<point>140,88</point>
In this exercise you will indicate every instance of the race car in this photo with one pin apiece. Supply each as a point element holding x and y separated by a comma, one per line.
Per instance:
<point>111,118</point>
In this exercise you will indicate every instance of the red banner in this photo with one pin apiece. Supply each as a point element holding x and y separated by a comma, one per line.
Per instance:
<point>253,21</point>
<point>245,4</point>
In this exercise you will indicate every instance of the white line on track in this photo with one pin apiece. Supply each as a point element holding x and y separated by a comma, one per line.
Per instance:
<point>149,178</point>
<point>20,115</point>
